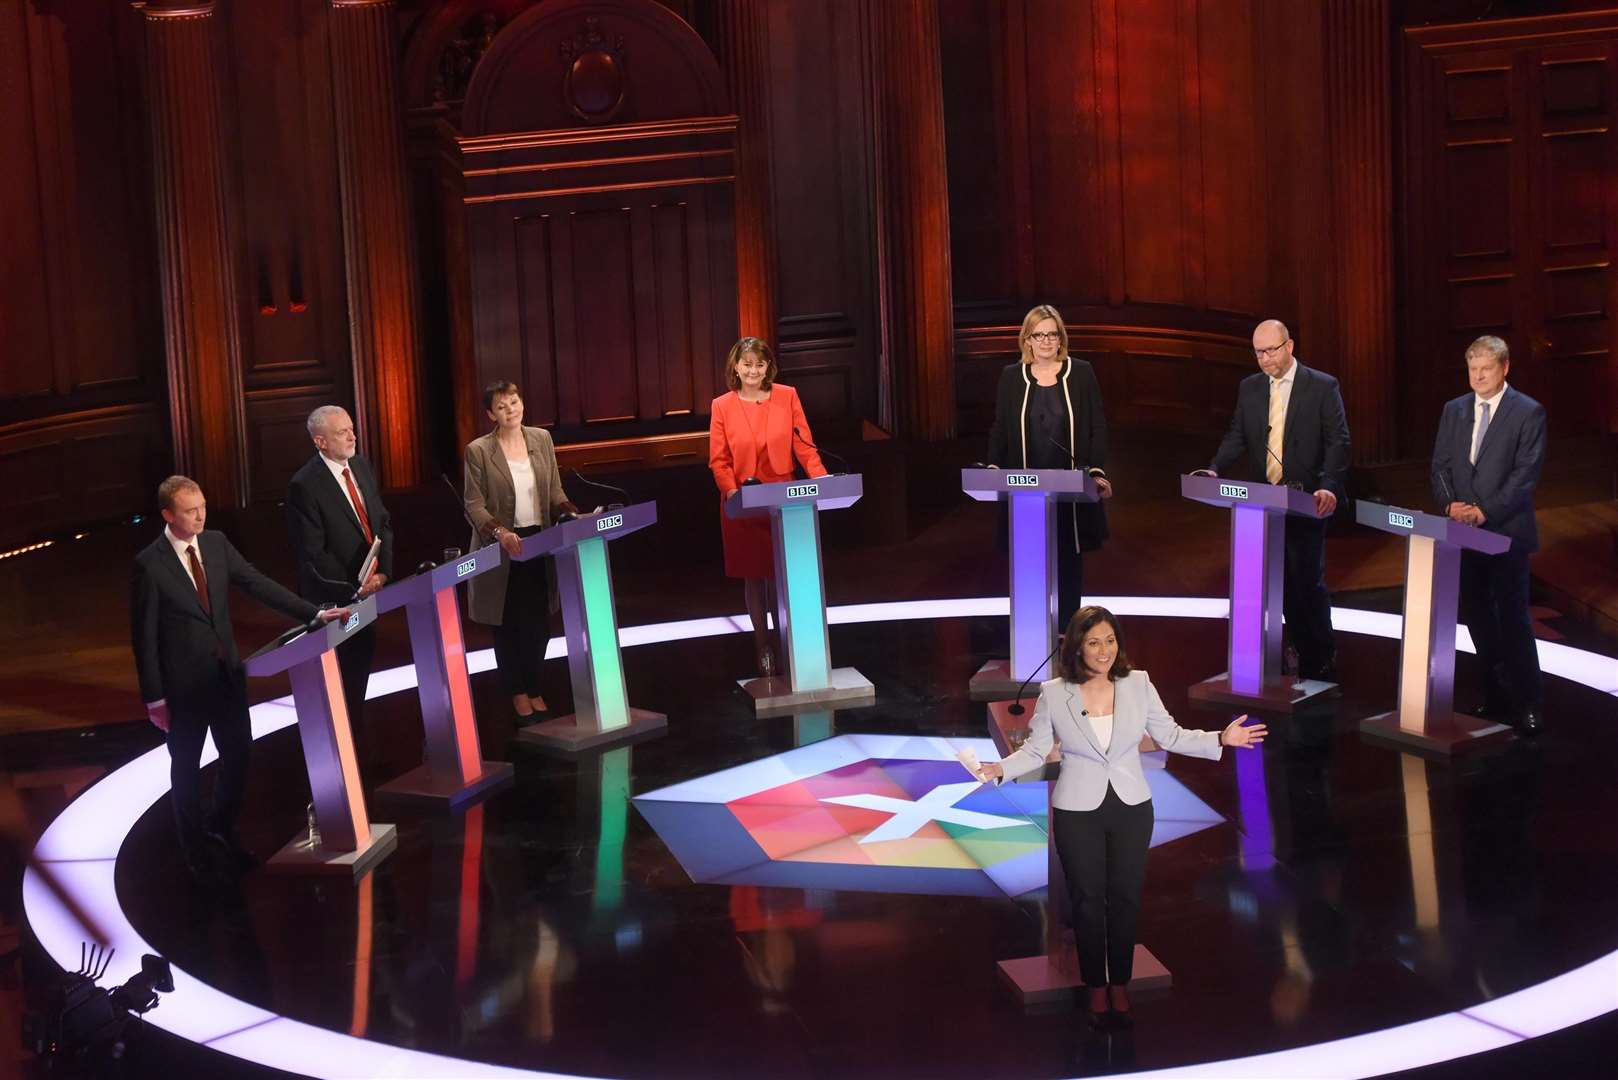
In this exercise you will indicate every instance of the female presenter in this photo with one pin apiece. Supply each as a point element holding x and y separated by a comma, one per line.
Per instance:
<point>1098,709</point>
<point>756,431</point>
<point>1047,415</point>
<point>513,489</point>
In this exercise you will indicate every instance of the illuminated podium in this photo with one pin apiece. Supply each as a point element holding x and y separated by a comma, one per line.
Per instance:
<point>1426,720</point>
<point>793,508</point>
<point>453,771</point>
<point>1031,496</point>
<point>349,843</point>
<point>1258,514</point>
<point>602,715</point>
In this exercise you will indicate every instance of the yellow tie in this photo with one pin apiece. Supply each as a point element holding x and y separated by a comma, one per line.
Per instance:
<point>1278,421</point>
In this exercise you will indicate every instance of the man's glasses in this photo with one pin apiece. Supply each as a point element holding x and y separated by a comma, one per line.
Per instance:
<point>1269,354</point>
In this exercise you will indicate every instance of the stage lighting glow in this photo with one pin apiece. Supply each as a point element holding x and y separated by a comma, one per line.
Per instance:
<point>82,844</point>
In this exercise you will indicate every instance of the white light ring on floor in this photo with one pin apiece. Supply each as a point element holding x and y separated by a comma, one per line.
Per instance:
<point>82,847</point>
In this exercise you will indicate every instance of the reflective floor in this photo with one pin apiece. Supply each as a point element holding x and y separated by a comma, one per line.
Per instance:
<point>1346,889</point>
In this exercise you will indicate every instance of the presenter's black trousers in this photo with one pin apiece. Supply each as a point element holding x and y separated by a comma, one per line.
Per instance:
<point>1103,855</point>
<point>1494,607</point>
<point>525,625</point>
<point>1304,599</point>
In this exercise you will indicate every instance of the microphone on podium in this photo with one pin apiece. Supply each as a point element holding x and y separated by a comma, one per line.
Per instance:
<point>1294,485</point>
<point>798,432</point>
<point>1016,708</point>
<point>577,475</point>
<point>1072,459</point>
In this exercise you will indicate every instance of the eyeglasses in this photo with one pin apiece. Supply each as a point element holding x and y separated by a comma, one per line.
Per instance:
<point>1045,337</point>
<point>1269,354</point>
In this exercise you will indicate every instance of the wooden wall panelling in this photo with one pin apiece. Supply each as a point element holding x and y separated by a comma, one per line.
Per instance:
<point>28,370</point>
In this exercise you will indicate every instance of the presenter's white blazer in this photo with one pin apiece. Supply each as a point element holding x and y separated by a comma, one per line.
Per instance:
<point>1087,769</point>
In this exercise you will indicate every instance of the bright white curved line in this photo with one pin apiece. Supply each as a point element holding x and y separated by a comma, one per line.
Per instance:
<point>82,846</point>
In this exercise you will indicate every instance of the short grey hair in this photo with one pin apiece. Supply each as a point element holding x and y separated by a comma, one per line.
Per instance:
<point>317,419</point>
<point>1490,346</point>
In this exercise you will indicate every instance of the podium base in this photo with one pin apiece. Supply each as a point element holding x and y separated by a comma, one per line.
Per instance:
<point>1281,697</point>
<point>995,680</point>
<point>569,735</point>
<point>297,857</point>
<point>1037,980</point>
<point>418,788</point>
<point>773,695</point>
<point>1437,737</point>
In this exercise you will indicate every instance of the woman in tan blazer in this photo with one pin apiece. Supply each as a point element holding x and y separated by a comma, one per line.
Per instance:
<point>513,489</point>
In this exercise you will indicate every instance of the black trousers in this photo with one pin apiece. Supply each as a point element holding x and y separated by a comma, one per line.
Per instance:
<point>1069,580</point>
<point>1304,600</point>
<point>1494,607</point>
<point>1103,855</point>
<point>224,712</point>
<point>354,658</point>
<point>525,625</point>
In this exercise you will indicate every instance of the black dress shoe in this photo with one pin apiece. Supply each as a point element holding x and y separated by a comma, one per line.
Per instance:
<point>1530,722</point>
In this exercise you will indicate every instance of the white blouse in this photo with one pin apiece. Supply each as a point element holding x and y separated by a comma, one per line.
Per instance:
<point>522,478</point>
<point>1103,726</point>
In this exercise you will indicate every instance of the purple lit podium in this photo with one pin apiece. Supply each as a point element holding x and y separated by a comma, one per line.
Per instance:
<point>1052,976</point>
<point>1031,496</point>
<point>1426,720</point>
<point>349,843</point>
<point>602,715</point>
<point>454,771</point>
<point>793,508</point>
<point>1258,514</point>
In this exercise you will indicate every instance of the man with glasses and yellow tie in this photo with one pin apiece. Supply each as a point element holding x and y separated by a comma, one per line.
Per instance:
<point>1289,428</point>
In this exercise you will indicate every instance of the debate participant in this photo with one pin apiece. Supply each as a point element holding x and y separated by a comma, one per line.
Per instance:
<point>334,514</point>
<point>1098,708</point>
<point>512,489</point>
<point>1486,464</point>
<point>191,676</point>
<point>1048,415</point>
<point>755,433</point>
<point>1289,428</point>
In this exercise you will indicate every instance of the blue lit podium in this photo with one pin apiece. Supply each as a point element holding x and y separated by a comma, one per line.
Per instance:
<point>1425,720</point>
<point>1031,496</point>
<point>602,715</point>
<point>453,771</point>
<point>1258,514</point>
<point>349,843</point>
<point>793,508</point>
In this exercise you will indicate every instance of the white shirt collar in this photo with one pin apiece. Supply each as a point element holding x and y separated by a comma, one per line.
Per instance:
<point>179,545</point>
<point>336,468</point>
<point>1290,377</point>
<point>1493,403</point>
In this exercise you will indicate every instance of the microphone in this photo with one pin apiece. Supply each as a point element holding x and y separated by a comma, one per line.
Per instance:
<point>1449,494</point>
<point>459,502</point>
<point>1016,702</point>
<point>1295,485</point>
<point>343,585</point>
<point>1072,461</point>
<point>797,431</point>
<point>577,475</point>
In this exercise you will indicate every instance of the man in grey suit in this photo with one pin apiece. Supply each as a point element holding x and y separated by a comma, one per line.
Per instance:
<point>1486,464</point>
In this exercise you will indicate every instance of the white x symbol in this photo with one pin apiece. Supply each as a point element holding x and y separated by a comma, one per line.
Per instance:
<point>937,805</point>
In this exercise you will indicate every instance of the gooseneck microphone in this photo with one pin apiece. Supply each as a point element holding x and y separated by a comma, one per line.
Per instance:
<point>798,432</point>
<point>1016,702</point>
<point>1295,485</point>
<point>460,503</point>
<point>577,475</point>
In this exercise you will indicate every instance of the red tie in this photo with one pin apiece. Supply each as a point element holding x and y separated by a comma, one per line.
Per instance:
<point>200,579</point>
<point>359,505</point>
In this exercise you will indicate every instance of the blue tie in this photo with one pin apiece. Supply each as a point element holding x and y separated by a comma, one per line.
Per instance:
<point>1477,438</point>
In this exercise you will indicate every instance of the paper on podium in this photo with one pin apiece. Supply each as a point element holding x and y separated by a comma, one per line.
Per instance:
<point>969,758</point>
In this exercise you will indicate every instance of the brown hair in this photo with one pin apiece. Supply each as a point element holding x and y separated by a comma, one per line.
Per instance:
<point>742,348</point>
<point>498,389</point>
<point>1493,347</point>
<point>1070,659</point>
<point>1033,319</point>
<point>172,487</point>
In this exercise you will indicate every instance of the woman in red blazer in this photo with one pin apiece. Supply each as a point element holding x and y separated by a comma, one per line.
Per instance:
<point>756,431</point>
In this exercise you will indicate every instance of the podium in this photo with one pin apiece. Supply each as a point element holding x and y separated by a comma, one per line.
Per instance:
<point>349,842</point>
<point>1258,514</point>
<point>1031,496</point>
<point>602,715</point>
<point>794,509</point>
<point>1426,720</point>
<point>453,771</point>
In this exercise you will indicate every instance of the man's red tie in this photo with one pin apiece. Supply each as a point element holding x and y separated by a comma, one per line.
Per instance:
<point>200,578</point>
<point>359,505</point>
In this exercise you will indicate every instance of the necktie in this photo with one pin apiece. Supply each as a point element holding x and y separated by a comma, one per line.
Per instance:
<point>199,578</point>
<point>359,505</point>
<point>1278,421</point>
<point>1477,436</point>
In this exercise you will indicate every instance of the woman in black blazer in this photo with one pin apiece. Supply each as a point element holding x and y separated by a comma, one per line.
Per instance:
<point>1047,415</point>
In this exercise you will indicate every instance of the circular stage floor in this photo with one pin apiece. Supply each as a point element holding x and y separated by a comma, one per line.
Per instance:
<point>697,905</point>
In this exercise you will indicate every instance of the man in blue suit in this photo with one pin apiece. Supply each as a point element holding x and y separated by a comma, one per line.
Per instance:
<point>1486,464</point>
<point>1289,428</point>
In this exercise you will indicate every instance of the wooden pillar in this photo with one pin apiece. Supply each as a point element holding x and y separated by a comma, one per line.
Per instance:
<point>1359,109</point>
<point>743,51</point>
<point>913,194</point>
<point>197,247</point>
<point>383,320</point>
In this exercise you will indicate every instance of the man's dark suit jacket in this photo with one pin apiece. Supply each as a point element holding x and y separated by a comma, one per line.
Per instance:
<point>326,535</point>
<point>1502,482</point>
<point>178,647</point>
<point>1314,448</point>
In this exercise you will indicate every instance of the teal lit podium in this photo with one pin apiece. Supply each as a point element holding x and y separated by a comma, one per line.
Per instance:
<point>453,771</point>
<point>602,715</point>
<point>347,842</point>
<point>793,508</point>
